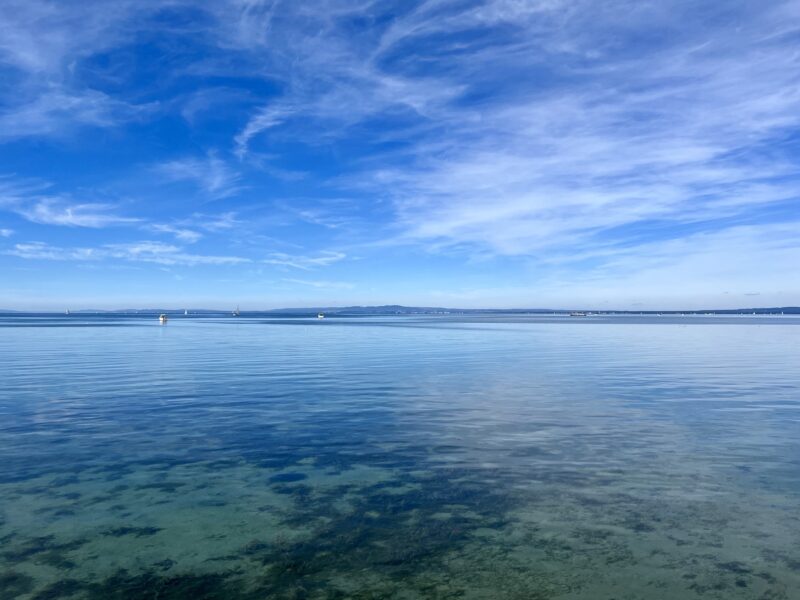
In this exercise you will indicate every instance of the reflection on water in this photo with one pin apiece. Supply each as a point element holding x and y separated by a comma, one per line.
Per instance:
<point>455,457</point>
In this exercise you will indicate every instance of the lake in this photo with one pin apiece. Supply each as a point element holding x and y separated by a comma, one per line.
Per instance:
<point>525,457</point>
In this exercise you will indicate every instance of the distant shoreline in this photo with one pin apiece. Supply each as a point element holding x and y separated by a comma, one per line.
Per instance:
<point>397,310</point>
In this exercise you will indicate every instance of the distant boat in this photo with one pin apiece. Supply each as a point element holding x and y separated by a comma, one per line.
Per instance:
<point>162,318</point>
<point>577,313</point>
<point>237,312</point>
<point>320,316</point>
<point>185,313</point>
<point>67,312</point>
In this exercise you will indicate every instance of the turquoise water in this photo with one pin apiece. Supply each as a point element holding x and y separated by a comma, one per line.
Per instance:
<point>450,457</point>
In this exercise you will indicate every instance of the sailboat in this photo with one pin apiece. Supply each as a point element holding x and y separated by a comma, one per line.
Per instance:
<point>237,312</point>
<point>67,313</point>
<point>185,313</point>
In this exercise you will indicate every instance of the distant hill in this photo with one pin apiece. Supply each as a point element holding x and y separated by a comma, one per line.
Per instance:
<point>396,309</point>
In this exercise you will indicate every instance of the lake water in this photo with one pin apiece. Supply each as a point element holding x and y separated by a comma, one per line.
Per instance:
<point>516,457</point>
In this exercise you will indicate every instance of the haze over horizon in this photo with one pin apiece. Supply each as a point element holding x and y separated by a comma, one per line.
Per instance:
<point>496,154</point>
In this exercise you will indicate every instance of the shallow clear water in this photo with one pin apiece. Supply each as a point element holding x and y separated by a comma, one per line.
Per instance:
<point>440,457</point>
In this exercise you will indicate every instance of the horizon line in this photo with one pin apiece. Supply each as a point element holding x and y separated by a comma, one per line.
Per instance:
<point>409,307</point>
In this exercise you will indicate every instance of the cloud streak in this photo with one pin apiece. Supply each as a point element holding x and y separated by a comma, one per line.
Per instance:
<point>33,201</point>
<point>678,134</point>
<point>145,251</point>
<point>583,137</point>
<point>57,112</point>
<point>321,284</point>
<point>211,174</point>
<point>53,211</point>
<point>305,263</point>
<point>183,235</point>
<point>41,45</point>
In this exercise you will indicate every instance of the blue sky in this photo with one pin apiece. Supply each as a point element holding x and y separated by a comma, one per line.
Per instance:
<point>504,153</point>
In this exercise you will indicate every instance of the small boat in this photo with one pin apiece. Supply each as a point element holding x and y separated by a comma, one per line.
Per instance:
<point>185,313</point>
<point>320,315</point>
<point>577,313</point>
<point>162,318</point>
<point>237,312</point>
<point>67,313</point>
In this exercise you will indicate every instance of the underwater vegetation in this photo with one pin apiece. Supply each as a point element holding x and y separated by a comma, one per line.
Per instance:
<point>13,585</point>
<point>519,461</point>
<point>428,532</point>
<point>123,586</point>
<point>135,531</point>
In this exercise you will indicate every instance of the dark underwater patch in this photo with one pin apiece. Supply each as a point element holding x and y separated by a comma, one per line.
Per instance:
<point>165,565</point>
<point>168,487</point>
<point>13,585</point>
<point>396,534</point>
<point>124,586</point>
<point>68,480</point>
<point>736,567</point>
<point>287,477</point>
<point>135,531</point>
<point>64,588</point>
<point>44,546</point>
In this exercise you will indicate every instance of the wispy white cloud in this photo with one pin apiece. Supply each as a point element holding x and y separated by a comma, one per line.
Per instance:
<point>692,271</point>
<point>700,271</point>
<point>167,254</point>
<point>677,132</point>
<point>219,222</point>
<point>55,112</point>
<point>5,232</point>
<point>56,211</point>
<point>544,129</point>
<point>181,234</point>
<point>14,191</point>
<point>41,43</point>
<point>34,201</point>
<point>305,263</point>
<point>145,251</point>
<point>211,174</point>
<point>264,119</point>
<point>322,218</point>
<point>44,251</point>
<point>334,80</point>
<point>41,37</point>
<point>321,284</point>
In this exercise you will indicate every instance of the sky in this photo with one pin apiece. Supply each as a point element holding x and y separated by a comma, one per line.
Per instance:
<point>619,154</point>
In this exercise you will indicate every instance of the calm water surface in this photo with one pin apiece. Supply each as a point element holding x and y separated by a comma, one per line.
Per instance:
<point>505,457</point>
